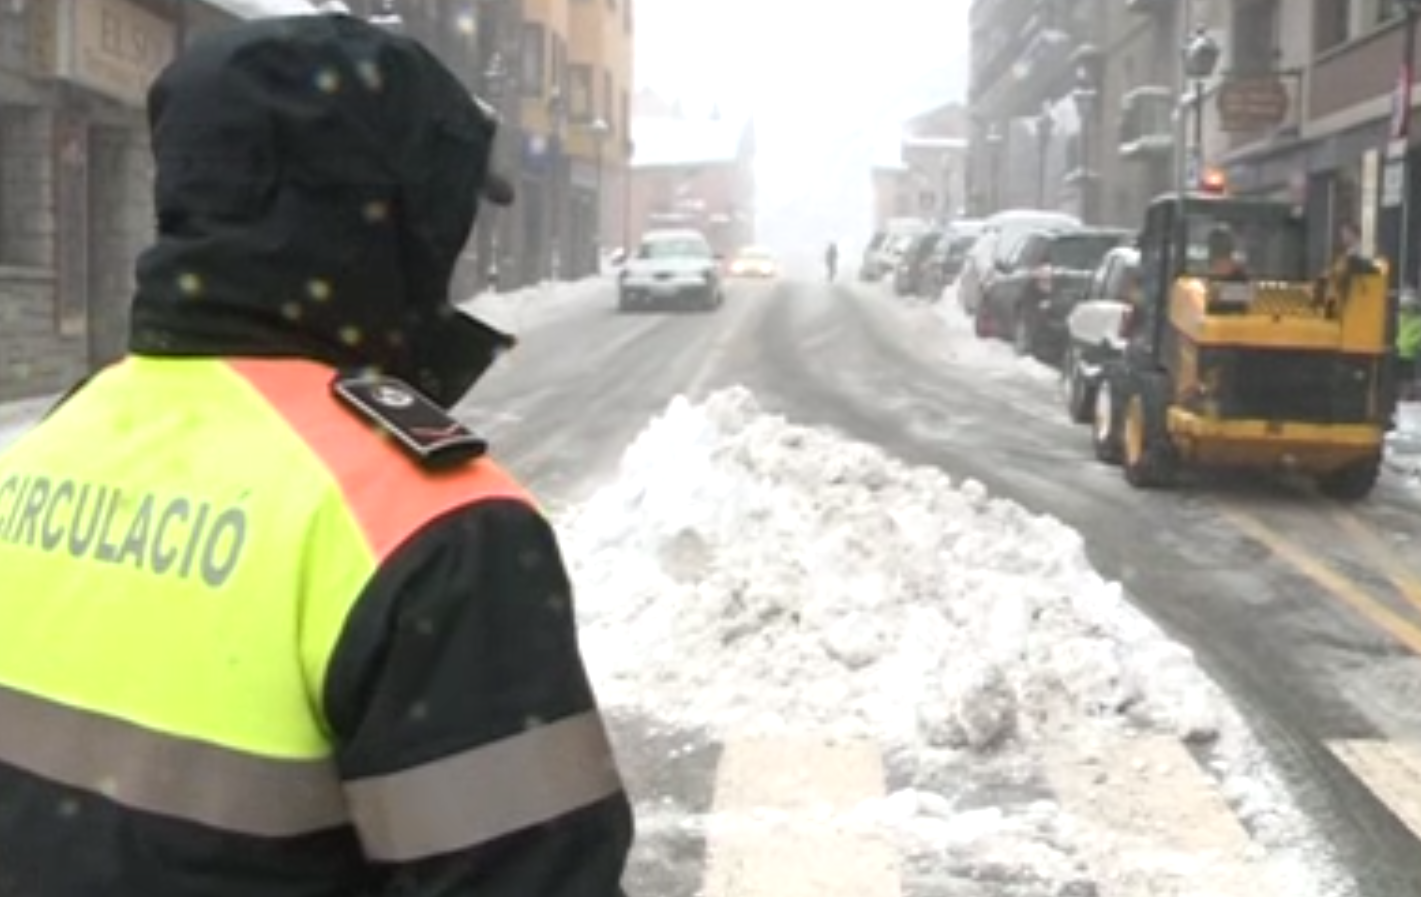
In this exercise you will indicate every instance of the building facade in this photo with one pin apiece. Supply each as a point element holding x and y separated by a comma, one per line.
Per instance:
<point>75,175</point>
<point>1084,105</point>
<point>698,173</point>
<point>933,150</point>
<point>1342,60</point>
<point>892,194</point>
<point>75,169</point>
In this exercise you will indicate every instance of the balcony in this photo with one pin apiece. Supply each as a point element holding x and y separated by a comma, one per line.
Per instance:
<point>1147,123</point>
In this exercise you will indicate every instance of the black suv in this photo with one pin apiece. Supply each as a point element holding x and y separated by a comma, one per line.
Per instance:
<point>1046,276</point>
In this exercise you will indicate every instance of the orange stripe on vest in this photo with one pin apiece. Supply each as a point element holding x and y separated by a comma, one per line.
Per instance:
<point>388,493</point>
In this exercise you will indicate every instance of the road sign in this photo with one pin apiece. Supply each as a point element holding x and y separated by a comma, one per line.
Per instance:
<point>1193,170</point>
<point>1393,183</point>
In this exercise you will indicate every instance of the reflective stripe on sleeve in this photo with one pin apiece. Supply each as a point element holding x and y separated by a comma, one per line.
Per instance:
<point>167,775</point>
<point>481,794</point>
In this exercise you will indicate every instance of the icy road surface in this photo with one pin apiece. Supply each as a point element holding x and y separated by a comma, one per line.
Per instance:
<point>845,653</point>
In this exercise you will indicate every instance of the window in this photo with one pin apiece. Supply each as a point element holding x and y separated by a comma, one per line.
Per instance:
<point>626,117</point>
<point>1266,243</point>
<point>1255,36</point>
<point>581,100</point>
<point>559,79</point>
<point>533,76</point>
<point>1382,12</point>
<point>24,138</point>
<point>1331,23</point>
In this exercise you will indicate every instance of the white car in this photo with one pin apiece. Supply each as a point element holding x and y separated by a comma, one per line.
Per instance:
<point>675,268</point>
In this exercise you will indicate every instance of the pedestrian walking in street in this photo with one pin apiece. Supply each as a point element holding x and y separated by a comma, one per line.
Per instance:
<point>274,623</point>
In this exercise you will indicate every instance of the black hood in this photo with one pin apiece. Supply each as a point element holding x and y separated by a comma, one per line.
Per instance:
<point>317,179</point>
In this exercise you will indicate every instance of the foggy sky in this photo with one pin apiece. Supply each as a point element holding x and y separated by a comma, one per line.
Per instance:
<point>829,82</point>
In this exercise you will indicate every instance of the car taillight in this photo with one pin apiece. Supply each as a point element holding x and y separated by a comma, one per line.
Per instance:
<point>1042,276</point>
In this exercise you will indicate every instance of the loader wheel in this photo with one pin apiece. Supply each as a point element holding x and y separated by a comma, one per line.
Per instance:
<point>1105,427</point>
<point>1353,482</point>
<point>1150,461</point>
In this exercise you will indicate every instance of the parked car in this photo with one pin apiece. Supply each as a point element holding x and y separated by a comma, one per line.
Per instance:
<point>754,261</point>
<point>674,267</point>
<point>1098,328</point>
<point>908,276</point>
<point>945,263</point>
<point>1047,274</point>
<point>999,233</point>
<point>869,266</point>
<point>884,249</point>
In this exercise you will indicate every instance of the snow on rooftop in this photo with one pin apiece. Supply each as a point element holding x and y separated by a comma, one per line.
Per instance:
<point>264,9</point>
<point>671,141</point>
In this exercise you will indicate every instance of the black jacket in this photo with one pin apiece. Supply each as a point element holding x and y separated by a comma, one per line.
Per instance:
<point>325,224</point>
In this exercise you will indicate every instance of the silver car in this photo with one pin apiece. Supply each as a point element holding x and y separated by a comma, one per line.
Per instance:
<point>671,268</point>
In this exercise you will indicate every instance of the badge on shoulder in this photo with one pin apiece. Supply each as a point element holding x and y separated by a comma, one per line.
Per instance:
<point>426,432</point>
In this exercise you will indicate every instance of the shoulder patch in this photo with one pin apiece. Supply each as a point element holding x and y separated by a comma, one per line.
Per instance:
<point>426,432</point>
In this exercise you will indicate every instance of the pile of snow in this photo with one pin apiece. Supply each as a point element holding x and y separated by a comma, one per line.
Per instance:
<point>749,577</point>
<point>1404,443</point>
<point>991,357</point>
<point>518,311</point>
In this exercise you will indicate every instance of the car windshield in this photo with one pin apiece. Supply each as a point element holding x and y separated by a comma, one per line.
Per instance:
<point>1259,241</point>
<point>1081,252</point>
<point>674,248</point>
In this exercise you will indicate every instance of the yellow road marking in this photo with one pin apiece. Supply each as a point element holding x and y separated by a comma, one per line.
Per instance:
<point>1406,582</point>
<point>1335,583</point>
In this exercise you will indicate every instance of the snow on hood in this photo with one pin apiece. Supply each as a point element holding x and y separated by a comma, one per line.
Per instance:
<point>748,577</point>
<point>674,264</point>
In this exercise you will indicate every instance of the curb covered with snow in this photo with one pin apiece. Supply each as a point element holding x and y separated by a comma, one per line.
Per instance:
<point>751,578</point>
<point>518,311</point>
<point>1404,444</point>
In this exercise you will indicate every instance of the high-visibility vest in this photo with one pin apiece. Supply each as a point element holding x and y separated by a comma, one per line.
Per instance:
<point>180,547</point>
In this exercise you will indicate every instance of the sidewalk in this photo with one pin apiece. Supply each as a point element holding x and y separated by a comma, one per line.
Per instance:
<point>18,416</point>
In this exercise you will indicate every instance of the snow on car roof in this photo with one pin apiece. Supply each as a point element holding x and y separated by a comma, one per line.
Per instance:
<point>264,9</point>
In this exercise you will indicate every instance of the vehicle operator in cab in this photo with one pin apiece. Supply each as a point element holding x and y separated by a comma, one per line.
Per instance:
<point>1223,260</point>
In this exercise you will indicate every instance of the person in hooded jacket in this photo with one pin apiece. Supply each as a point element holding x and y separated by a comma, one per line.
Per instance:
<point>273,621</point>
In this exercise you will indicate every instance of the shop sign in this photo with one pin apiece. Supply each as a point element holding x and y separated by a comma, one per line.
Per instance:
<point>1251,104</point>
<point>112,47</point>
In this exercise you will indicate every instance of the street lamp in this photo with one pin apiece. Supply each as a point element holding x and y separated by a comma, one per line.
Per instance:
<point>1084,96</point>
<point>599,130</point>
<point>557,119</point>
<point>495,78</point>
<point>995,139</point>
<point>1045,128</point>
<point>1201,57</point>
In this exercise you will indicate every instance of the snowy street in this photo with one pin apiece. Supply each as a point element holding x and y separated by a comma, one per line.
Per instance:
<point>1310,614</point>
<point>861,608</point>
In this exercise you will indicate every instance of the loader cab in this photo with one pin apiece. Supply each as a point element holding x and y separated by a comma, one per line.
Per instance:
<point>1217,245</point>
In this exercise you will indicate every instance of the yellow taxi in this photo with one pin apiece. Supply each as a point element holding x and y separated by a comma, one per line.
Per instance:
<point>754,261</point>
